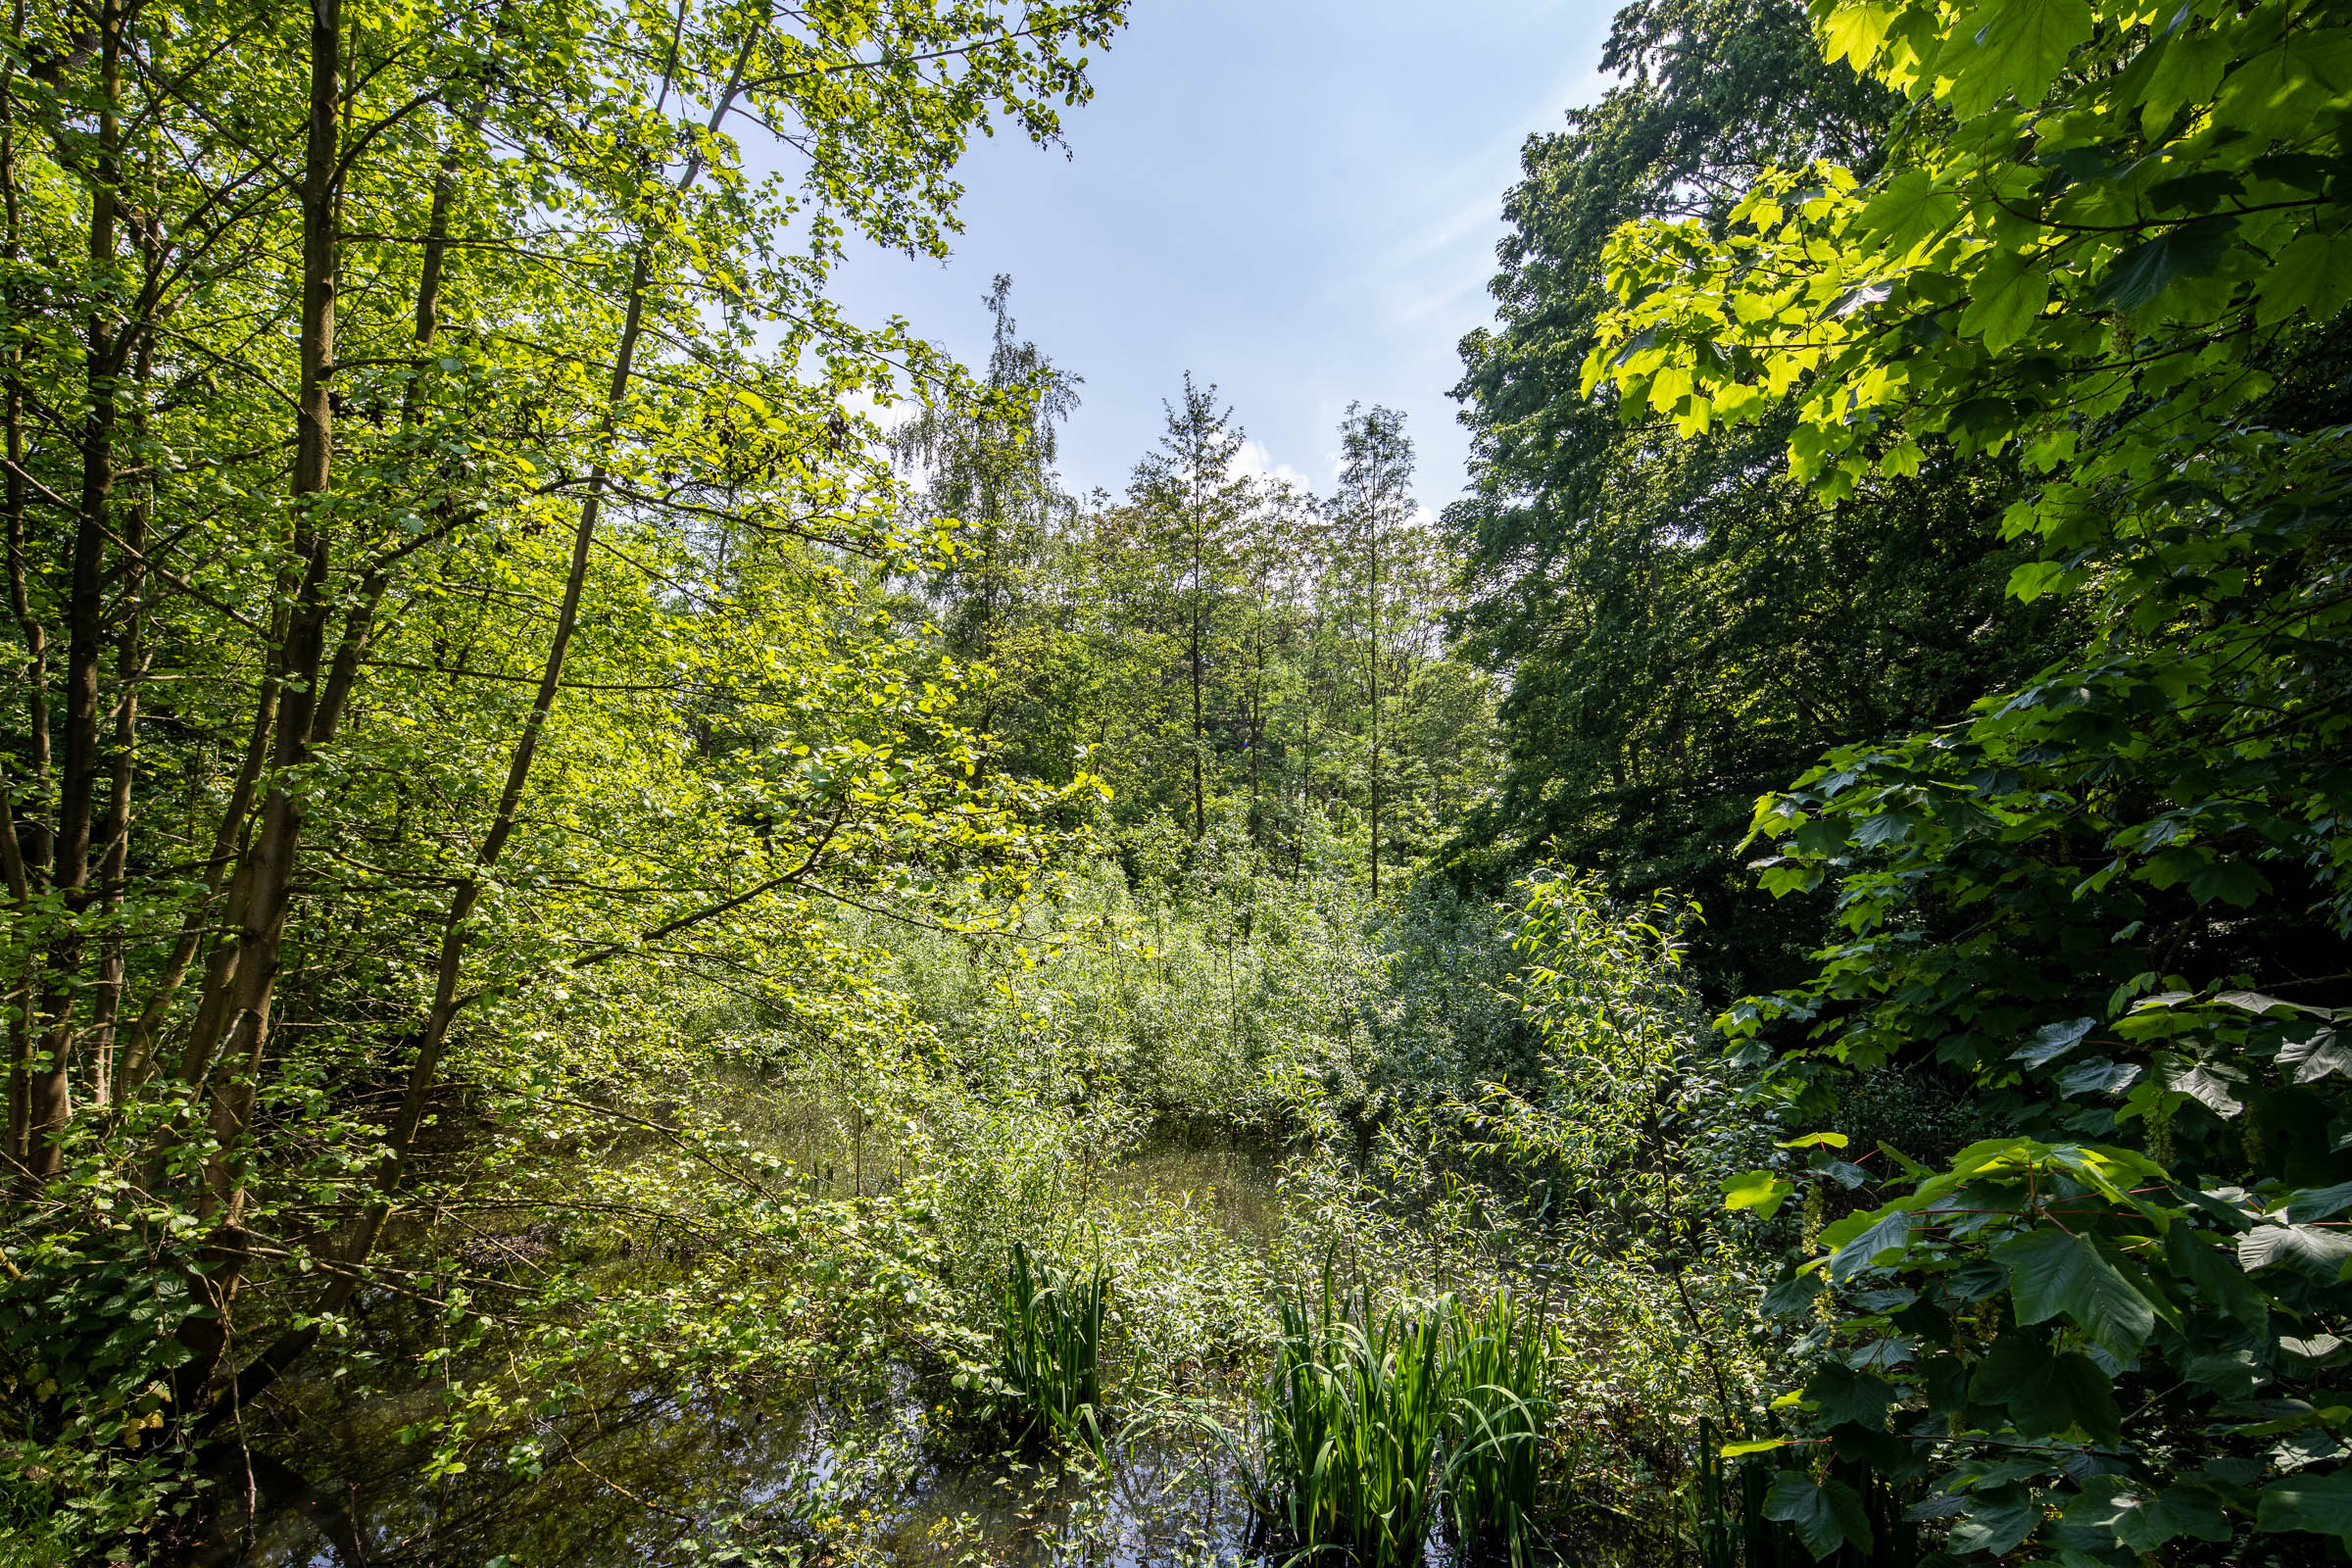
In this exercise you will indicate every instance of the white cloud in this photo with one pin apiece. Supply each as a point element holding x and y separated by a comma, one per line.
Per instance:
<point>1259,463</point>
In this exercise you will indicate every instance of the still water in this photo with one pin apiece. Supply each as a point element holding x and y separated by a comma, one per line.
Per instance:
<point>652,1478</point>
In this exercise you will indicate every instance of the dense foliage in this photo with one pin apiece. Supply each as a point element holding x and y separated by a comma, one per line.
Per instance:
<point>630,937</point>
<point>438,564</point>
<point>1685,624</point>
<point>2101,246</point>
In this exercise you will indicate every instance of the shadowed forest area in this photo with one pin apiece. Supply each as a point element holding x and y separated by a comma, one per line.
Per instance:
<point>634,936</point>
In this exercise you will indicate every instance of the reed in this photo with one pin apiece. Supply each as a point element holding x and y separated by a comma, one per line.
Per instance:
<point>1355,1414</point>
<point>1500,1363</point>
<point>1049,1350</point>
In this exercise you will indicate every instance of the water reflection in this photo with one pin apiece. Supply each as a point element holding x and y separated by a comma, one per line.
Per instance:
<point>635,1474</point>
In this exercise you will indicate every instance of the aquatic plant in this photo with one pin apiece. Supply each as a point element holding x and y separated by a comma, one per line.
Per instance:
<point>1501,1362</point>
<point>1049,1377</point>
<point>1354,1415</point>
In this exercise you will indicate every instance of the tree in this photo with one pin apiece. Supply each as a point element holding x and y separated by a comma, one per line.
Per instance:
<point>989,465</point>
<point>1193,497</point>
<point>2112,893</point>
<point>458,580</point>
<point>1372,512</point>
<point>1684,624</point>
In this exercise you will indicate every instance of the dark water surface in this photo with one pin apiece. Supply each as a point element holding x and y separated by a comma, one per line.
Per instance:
<point>650,1471</point>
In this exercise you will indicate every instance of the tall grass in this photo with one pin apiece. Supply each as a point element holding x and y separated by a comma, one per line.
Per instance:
<point>1049,1350</point>
<point>1355,1414</point>
<point>1370,1424</point>
<point>1500,1364</point>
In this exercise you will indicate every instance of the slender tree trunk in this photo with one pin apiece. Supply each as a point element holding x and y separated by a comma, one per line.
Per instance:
<point>250,980</point>
<point>1258,707</point>
<point>1372,666</point>
<point>26,850</point>
<point>434,1036</point>
<point>225,1049</point>
<point>1200,796</point>
<point>129,666</point>
<point>50,1093</point>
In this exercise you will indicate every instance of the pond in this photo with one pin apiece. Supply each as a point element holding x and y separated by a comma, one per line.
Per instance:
<point>648,1471</point>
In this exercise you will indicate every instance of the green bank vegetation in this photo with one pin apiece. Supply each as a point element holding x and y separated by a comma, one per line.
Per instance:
<point>632,937</point>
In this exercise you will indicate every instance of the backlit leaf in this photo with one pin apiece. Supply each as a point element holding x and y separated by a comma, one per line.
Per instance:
<point>2011,47</point>
<point>1760,1190</point>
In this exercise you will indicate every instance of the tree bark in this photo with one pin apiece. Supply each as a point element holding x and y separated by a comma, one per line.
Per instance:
<point>50,1091</point>
<point>249,983</point>
<point>433,1035</point>
<point>129,664</point>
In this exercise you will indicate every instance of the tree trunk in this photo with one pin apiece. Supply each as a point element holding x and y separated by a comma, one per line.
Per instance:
<point>249,981</point>
<point>50,1094</point>
<point>1372,665</point>
<point>1200,805</point>
<point>130,663</point>
<point>433,1035</point>
<point>26,852</point>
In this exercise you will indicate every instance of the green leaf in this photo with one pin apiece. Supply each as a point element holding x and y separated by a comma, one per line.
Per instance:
<point>2319,1505</point>
<point>2047,1395</point>
<point>2202,1082</point>
<point>1882,1243</point>
<point>2231,881</point>
<point>2052,1272</point>
<point>2314,1254</point>
<point>2011,47</point>
<point>1760,1190</point>
<point>2325,1203</point>
<point>1904,1163</point>
<point>1908,210</point>
<point>1794,1294</point>
<point>2034,578</point>
<point>2052,1040</point>
<point>1997,1521</point>
<point>1825,1517</point>
<point>2101,1075</point>
<point>1855,31</point>
<point>2007,294</point>
<point>2141,1519</point>
<point>2144,272</point>
<point>2315,1058</point>
<point>2233,1375</point>
<point>2187,69</point>
<point>1845,1395</point>
<point>1740,1451</point>
<point>2218,1277</point>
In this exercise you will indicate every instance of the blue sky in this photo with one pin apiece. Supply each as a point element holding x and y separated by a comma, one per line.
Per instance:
<point>1295,199</point>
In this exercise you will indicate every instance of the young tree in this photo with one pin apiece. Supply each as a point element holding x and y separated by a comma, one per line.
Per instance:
<point>1193,498</point>
<point>989,461</point>
<point>1372,517</point>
